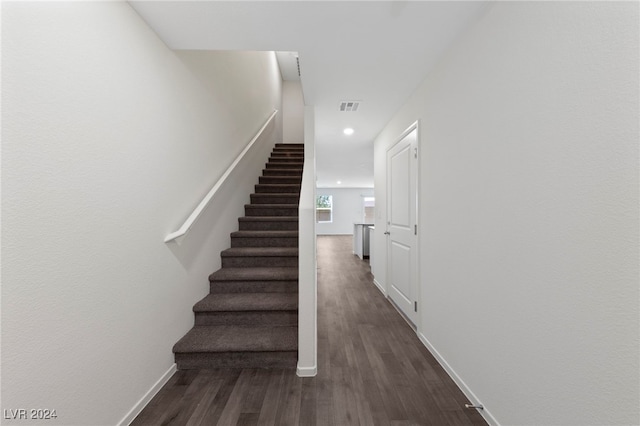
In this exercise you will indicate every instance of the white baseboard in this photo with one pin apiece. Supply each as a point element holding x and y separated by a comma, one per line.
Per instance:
<point>458,380</point>
<point>139,406</point>
<point>382,290</point>
<point>307,371</point>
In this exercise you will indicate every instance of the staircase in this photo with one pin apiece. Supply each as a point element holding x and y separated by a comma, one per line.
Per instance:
<point>250,317</point>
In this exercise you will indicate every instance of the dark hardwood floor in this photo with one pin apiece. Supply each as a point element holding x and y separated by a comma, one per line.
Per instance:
<point>372,369</point>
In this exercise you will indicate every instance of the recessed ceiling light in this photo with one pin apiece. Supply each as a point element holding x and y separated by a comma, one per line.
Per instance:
<point>348,131</point>
<point>339,182</point>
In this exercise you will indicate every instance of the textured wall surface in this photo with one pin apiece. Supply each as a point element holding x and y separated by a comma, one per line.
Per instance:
<point>292,112</point>
<point>529,211</point>
<point>109,140</point>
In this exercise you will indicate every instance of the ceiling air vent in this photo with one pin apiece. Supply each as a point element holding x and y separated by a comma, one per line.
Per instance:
<point>349,106</point>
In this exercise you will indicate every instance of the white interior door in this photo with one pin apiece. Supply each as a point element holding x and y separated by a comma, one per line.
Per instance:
<point>401,231</point>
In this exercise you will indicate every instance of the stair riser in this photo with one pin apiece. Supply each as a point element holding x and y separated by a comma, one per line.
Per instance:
<point>275,199</point>
<point>284,165</point>
<point>253,287</point>
<point>287,155</point>
<point>258,210</point>
<point>268,226</point>
<point>269,318</point>
<point>286,160</point>
<point>278,189</point>
<point>271,180</point>
<point>283,172</point>
<point>196,361</point>
<point>285,152</point>
<point>288,147</point>
<point>259,261</point>
<point>264,242</point>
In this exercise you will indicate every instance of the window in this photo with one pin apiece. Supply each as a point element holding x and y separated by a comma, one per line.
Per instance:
<point>369,204</point>
<point>324,208</point>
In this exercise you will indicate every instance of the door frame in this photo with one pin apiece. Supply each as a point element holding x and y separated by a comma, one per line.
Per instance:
<point>416,269</point>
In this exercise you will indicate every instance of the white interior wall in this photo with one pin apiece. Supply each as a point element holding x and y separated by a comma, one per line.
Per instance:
<point>308,265</point>
<point>348,208</point>
<point>292,112</point>
<point>528,211</point>
<point>109,140</point>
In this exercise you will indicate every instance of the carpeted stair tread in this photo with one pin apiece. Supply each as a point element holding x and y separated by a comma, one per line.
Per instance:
<point>282,171</point>
<point>288,158</point>
<point>213,360</point>
<point>285,223</point>
<point>227,302</point>
<point>279,205</point>
<point>286,155</point>
<point>255,274</point>
<point>282,210</point>
<point>260,251</point>
<point>262,198</point>
<point>268,219</point>
<point>264,234</point>
<point>284,166</point>
<point>280,180</point>
<point>232,338</point>
<point>252,255</point>
<point>277,188</point>
<point>291,194</point>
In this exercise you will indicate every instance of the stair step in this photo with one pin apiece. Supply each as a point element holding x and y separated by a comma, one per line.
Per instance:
<point>255,274</point>
<point>264,239</point>
<point>290,145</point>
<point>295,150</point>
<point>226,338</point>
<point>282,188</point>
<point>285,165</point>
<point>282,172</point>
<point>271,210</point>
<point>268,223</point>
<point>240,302</point>
<point>287,154</point>
<point>202,361</point>
<point>254,257</point>
<point>270,318</point>
<point>280,179</point>
<point>286,160</point>
<point>273,309</point>
<point>253,286</point>
<point>271,198</point>
<point>237,346</point>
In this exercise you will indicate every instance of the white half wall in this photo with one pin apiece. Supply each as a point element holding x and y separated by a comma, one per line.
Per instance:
<point>348,208</point>
<point>292,112</point>
<point>109,140</point>
<point>528,212</point>
<point>308,267</point>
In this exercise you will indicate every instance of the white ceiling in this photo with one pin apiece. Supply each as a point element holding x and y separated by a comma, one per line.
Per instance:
<point>376,52</point>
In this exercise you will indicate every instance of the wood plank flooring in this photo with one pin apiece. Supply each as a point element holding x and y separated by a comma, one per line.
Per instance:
<point>372,369</point>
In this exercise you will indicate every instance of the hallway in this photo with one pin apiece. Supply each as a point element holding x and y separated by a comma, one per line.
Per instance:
<point>372,369</point>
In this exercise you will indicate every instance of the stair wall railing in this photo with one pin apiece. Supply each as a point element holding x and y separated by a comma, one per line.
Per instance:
<point>176,236</point>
